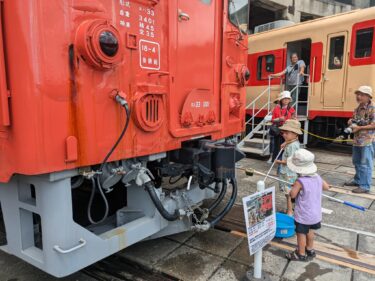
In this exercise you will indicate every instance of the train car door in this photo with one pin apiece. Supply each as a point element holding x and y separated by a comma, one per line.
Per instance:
<point>196,63</point>
<point>334,74</point>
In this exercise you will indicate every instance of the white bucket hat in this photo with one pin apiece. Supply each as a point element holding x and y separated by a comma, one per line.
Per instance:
<point>285,95</point>
<point>364,90</point>
<point>302,162</point>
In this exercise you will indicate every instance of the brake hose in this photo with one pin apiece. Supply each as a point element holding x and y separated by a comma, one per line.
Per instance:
<point>230,204</point>
<point>220,197</point>
<point>95,180</point>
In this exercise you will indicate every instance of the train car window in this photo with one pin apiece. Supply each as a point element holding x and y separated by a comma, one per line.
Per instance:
<point>239,14</point>
<point>208,2</point>
<point>265,66</point>
<point>364,39</point>
<point>336,52</point>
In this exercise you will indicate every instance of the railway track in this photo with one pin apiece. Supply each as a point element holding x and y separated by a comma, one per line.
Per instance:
<point>118,268</point>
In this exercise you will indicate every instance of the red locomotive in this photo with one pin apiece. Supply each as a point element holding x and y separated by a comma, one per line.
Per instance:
<point>101,102</point>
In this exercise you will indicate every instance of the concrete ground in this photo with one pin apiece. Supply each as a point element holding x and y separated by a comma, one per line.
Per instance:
<point>219,255</point>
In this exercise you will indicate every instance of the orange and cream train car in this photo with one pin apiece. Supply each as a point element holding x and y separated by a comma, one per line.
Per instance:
<point>339,53</point>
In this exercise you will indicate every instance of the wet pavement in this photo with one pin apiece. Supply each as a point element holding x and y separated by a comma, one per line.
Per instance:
<point>218,255</point>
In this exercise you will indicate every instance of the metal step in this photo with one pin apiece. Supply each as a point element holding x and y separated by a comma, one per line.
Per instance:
<point>301,118</point>
<point>261,133</point>
<point>256,143</point>
<point>253,150</point>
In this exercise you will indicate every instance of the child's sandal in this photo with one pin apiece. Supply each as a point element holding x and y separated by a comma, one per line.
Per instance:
<point>295,256</point>
<point>310,253</point>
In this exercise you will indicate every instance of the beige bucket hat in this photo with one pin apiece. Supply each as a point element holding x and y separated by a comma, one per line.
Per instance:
<point>302,162</point>
<point>292,125</point>
<point>364,90</point>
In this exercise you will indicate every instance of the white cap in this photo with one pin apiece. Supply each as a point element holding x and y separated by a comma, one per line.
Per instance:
<point>364,90</point>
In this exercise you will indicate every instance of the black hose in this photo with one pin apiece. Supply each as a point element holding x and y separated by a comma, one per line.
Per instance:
<point>159,206</point>
<point>220,197</point>
<point>96,181</point>
<point>230,204</point>
<point>127,110</point>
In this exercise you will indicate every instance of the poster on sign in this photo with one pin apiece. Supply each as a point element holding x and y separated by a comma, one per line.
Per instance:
<point>260,218</point>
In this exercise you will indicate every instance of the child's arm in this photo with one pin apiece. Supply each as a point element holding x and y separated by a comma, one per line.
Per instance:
<point>295,189</point>
<point>283,162</point>
<point>326,186</point>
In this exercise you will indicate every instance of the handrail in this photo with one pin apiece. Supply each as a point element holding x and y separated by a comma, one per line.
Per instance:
<point>4,91</point>
<point>267,105</point>
<point>261,94</point>
<point>252,104</point>
<point>256,114</point>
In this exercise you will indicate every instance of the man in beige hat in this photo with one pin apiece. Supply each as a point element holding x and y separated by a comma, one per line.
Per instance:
<point>363,127</point>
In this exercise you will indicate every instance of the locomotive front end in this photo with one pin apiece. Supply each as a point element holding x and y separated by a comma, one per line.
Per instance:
<point>118,120</point>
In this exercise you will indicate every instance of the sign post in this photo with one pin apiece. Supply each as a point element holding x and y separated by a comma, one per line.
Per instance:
<point>260,218</point>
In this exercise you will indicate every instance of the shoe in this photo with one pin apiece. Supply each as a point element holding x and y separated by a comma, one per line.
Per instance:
<point>310,254</point>
<point>269,161</point>
<point>360,190</point>
<point>351,183</point>
<point>295,256</point>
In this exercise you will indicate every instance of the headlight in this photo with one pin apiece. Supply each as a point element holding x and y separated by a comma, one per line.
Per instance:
<point>108,43</point>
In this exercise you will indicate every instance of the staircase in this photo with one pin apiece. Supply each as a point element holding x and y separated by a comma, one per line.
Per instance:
<point>257,142</point>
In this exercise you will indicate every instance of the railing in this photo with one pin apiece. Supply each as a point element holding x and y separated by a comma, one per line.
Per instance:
<point>267,105</point>
<point>297,102</point>
<point>253,103</point>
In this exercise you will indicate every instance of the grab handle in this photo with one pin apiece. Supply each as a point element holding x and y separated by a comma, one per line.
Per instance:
<point>82,243</point>
<point>4,93</point>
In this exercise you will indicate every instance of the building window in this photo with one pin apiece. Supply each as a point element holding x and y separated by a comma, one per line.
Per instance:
<point>336,52</point>
<point>364,38</point>
<point>265,66</point>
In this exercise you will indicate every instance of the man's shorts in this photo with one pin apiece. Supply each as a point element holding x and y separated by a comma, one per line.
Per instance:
<point>304,228</point>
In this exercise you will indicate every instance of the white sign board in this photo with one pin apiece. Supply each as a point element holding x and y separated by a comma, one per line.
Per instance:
<point>260,218</point>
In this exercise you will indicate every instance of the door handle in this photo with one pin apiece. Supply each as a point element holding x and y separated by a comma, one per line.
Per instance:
<point>183,16</point>
<point>325,78</point>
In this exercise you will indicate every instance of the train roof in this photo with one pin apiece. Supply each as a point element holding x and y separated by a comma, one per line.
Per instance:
<point>358,14</point>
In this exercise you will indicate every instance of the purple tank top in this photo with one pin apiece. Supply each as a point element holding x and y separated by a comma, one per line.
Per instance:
<point>308,208</point>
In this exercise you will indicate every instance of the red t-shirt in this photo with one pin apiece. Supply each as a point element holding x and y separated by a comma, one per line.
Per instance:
<point>285,112</point>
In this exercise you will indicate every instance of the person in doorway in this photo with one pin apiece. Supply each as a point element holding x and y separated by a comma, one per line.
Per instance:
<point>290,132</point>
<point>294,75</point>
<point>281,113</point>
<point>307,192</point>
<point>363,127</point>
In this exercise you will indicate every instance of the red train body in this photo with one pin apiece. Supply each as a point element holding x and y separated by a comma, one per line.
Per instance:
<point>180,78</point>
<point>102,101</point>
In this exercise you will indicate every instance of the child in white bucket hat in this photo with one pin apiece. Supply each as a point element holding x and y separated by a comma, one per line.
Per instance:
<point>307,191</point>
